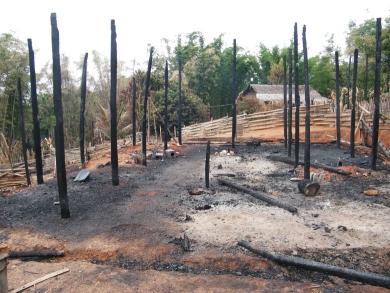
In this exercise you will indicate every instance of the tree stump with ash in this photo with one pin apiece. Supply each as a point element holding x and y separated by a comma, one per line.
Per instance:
<point>308,188</point>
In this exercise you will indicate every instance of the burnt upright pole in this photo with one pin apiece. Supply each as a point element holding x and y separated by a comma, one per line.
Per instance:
<point>234,95</point>
<point>82,109</point>
<point>134,112</point>
<point>59,127</point>
<point>145,108</point>
<point>180,106</point>
<point>348,83</point>
<point>207,166</point>
<point>35,112</point>
<point>114,141</point>
<point>289,101</point>
<point>285,99</point>
<point>353,110</point>
<point>166,107</point>
<point>375,120</point>
<point>338,133</point>
<point>297,99</point>
<point>307,101</point>
<point>23,132</point>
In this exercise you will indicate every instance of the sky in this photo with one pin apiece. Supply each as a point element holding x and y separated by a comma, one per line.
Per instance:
<point>85,25</point>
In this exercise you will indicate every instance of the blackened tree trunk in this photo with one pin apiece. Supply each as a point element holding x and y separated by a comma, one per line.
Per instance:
<point>114,141</point>
<point>353,110</point>
<point>82,109</point>
<point>348,83</point>
<point>307,101</point>
<point>285,100</point>
<point>338,133</point>
<point>59,127</point>
<point>289,101</point>
<point>22,132</point>
<point>134,112</point>
<point>207,166</point>
<point>166,107</point>
<point>234,95</point>
<point>145,108</point>
<point>375,120</point>
<point>180,106</point>
<point>297,99</point>
<point>35,112</point>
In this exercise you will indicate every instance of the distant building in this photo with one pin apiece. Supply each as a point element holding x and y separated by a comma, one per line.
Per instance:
<point>274,94</point>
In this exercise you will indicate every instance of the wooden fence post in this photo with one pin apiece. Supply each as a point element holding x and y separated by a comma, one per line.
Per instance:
<point>289,101</point>
<point>338,134</point>
<point>297,99</point>
<point>234,95</point>
<point>145,108</point>
<point>82,109</point>
<point>307,101</point>
<point>166,107</point>
<point>353,110</point>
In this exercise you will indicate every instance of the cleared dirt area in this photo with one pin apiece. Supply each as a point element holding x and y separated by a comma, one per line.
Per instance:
<point>130,238</point>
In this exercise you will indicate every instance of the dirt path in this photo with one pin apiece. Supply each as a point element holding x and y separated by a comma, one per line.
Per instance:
<point>128,238</point>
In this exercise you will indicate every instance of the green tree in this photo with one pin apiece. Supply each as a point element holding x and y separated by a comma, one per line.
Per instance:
<point>13,64</point>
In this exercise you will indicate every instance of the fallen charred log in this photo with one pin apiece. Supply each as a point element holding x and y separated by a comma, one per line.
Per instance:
<point>263,197</point>
<point>39,254</point>
<point>364,277</point>
<point>327,168</point>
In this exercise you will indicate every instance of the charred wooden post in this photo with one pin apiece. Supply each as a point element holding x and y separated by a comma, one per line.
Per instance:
<point>285,100</point>
<point>338,133</point>
<point>307,264</point>
<point>268,199</point>
<point>23,132</point>
<point>35,112</point>
<point>166,108</point>
<point>145,107</point>
<point>353,110</point>
<point>114,140</point>
<point>308,188</point>
<point>207,167</point>
<point>180,106</point>
<point>234,96</point>
<point>82,109</point>
<point>289,101</point>
<point>297,99</point>
<point>375,119</point>
<point>307,100</point>
<point>59,127</point>
<point>134,112</point>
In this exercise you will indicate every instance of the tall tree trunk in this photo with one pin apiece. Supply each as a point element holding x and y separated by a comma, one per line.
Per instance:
<point>234,95</point>
<point>375,120</point>
<point>307,100</point>
<point>114,140</point>
<point>289,101</point>
<point>82,109</point>
<point>59,127</point>
<point>285,100</point>
<point>145,108</point>
<point>353,110</point>
<point>166,107</point>
<point>297,99</point>
<point>180,106</point>
<point>134,113</point>
<point>338,136</point>
<point>34,104</point>
<point>22,132</point>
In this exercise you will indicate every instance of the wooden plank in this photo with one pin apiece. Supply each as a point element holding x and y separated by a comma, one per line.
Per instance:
<point>33,283</point>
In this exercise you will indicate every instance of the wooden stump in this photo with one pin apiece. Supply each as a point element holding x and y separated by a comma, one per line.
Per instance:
<point>308,187</point>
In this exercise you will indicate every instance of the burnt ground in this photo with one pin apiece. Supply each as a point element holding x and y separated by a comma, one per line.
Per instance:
<point>129,238</point>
